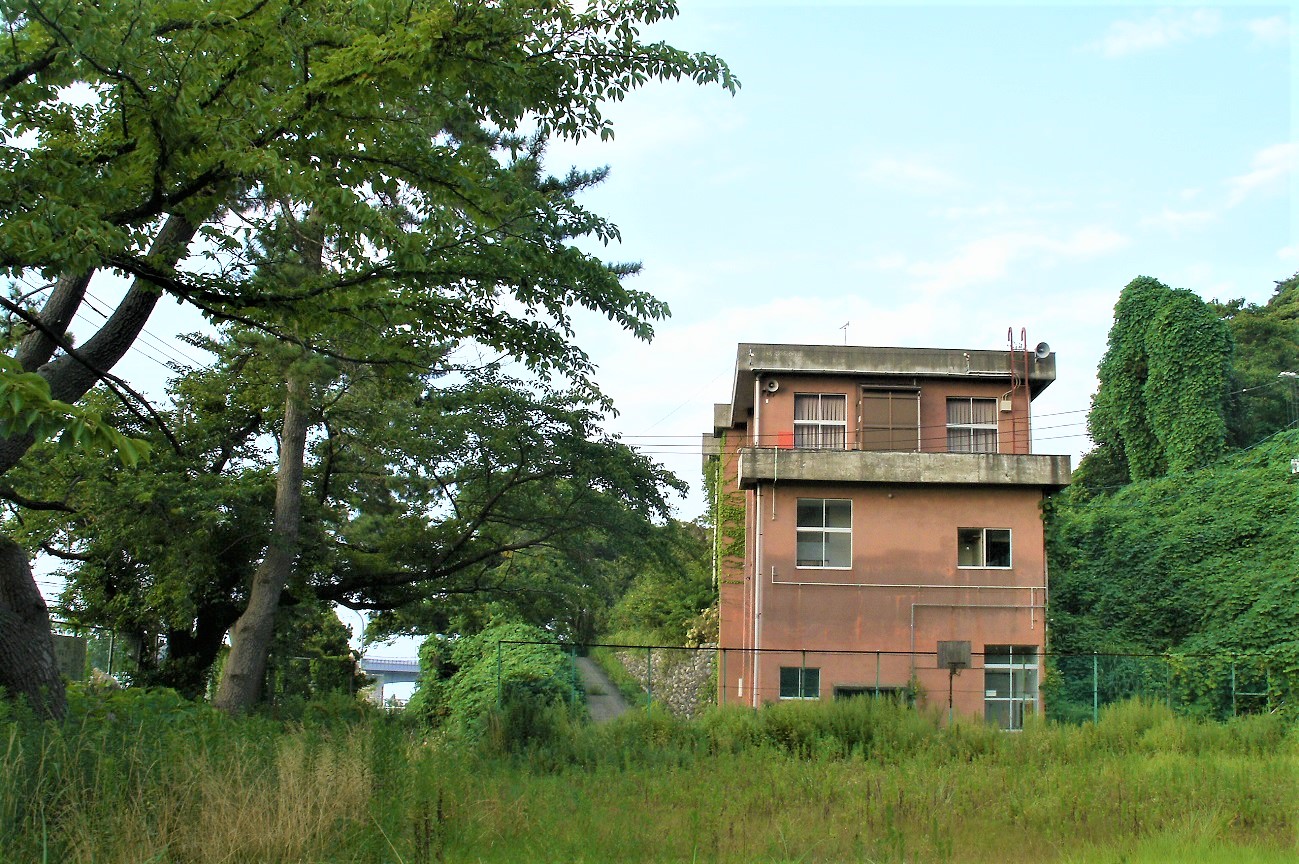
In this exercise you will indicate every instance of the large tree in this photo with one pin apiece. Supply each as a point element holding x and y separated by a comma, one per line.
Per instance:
<point>154,139</point>
<point>420,495</point>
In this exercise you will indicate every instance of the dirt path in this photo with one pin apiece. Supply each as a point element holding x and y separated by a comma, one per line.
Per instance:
<point>602,698</point>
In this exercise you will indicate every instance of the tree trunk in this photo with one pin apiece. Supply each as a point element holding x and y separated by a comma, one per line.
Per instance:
<point>27,663</point>
<point>250,640</point>
<point>28,667</point>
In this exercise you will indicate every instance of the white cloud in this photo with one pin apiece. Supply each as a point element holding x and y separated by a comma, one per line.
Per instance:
<point>912,173</point>
<point>1272,30</point>
<point>1178,220</point>
<point>1270,171</point>
<point>989,258</point>
<point>1157,31</point>
<point>1289,253</point>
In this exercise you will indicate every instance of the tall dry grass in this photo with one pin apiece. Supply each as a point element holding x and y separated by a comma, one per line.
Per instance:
<point>859,781</point>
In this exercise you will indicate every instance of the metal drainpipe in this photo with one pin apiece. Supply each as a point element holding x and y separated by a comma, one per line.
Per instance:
<point>757,552</point>
<point>757,596</point>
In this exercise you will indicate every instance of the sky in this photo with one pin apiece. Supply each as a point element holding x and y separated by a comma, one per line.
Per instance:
<point>930,175</point>
<point>936,176</point>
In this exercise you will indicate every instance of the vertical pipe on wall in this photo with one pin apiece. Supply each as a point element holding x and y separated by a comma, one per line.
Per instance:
<point>757,600</point>
<point>755,676</point>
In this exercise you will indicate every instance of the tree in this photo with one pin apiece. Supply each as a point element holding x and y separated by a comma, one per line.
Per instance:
<point>1160,406</point>
<point>423,499</point>
<point>667,596</point>
<point>1263,397</point>
<point>155,139</point>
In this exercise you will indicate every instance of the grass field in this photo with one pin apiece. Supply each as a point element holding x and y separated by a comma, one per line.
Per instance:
<point>148,778</point>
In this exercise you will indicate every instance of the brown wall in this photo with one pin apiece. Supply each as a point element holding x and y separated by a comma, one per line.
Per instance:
<point>775,411</point>
<point>903,593</point>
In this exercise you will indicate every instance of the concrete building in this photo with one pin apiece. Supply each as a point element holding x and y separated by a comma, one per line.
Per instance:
<point>887,501</point>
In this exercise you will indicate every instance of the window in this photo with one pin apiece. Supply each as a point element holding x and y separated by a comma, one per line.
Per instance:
<point>890,420</point>
<point>982,547</point>
<point>1010,684</point>
<point>971,425</point>
<point>824,528</point>
<point>820,421</point>
<point>800,682</point>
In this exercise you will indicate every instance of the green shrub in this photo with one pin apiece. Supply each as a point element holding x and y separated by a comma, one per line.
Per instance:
<point>500,681</point>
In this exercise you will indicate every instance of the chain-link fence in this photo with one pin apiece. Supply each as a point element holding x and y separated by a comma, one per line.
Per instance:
<point>1003,683</point>
<point>1217,686</point>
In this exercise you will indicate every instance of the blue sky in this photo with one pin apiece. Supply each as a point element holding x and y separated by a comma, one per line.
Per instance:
<point>935,175</point>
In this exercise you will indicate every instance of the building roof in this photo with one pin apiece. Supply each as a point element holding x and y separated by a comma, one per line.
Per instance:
<point>863,361</point>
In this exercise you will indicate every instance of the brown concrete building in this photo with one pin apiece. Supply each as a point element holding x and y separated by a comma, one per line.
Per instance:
<point>888,501</point>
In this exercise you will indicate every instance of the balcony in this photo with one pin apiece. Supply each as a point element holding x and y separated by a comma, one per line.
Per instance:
<point>767,464</point>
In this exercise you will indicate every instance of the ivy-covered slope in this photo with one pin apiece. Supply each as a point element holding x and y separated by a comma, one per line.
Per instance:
<point>1200,561</point>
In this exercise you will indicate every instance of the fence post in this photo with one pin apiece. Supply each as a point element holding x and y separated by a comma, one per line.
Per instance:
<point>877,674</point>
<point>724,683</point>
<point>572,680</point>
<point>498,674</point>
<point>1233,685</point>
<point>1096,688</point>
<point>649,677</point>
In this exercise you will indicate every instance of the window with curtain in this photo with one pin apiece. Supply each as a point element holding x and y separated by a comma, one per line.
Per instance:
<point>971,425</point>
<point>820,421</point>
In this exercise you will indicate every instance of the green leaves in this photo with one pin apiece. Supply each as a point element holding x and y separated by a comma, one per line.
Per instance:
<point>27,409</point>
<point>1200,562</point>
<point>1163,382</point>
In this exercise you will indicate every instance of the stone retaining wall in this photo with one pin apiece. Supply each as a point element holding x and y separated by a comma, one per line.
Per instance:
<point>681,678</point>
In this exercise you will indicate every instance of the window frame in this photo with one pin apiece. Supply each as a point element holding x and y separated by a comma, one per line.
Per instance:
<point>983,550</point>
<point>968,430</point>
<point>802,673</point>
<point>823,530</point>
<point>1020,699</point>
<point>818,425</point>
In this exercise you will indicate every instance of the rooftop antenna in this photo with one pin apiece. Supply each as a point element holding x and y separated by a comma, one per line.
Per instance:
<point>844,328</point>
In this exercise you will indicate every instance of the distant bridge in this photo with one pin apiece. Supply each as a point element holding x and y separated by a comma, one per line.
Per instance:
<point>390,670</point>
